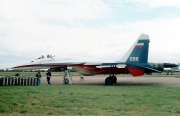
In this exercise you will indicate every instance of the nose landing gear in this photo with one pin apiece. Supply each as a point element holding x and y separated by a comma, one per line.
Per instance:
<point>67,79</point>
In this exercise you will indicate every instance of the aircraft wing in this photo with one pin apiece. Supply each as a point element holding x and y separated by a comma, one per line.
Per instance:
<point>112,63</point>
<point>102,63</point>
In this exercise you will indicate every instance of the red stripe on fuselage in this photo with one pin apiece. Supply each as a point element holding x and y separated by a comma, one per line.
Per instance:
<point>90,67</point>
<point>114,70</point>
<point>25,66</point>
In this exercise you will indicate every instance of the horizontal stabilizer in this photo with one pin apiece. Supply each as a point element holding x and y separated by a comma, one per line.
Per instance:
<point>152,69</point>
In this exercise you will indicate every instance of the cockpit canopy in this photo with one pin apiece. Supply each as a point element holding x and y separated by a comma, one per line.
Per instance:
<point>48,56</point>
<point>41,57</point>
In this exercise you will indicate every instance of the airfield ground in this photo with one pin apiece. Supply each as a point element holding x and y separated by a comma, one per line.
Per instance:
<point>121,80</point>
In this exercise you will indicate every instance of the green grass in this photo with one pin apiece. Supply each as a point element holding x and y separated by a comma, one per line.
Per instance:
<point>89,100</point>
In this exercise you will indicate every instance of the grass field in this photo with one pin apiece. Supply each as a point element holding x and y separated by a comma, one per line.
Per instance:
<point>89,100</point>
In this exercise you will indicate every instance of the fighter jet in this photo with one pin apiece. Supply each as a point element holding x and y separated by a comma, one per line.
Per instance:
<point>135,62</point>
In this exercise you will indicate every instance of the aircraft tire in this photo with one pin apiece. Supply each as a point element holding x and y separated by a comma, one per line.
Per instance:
<point>114,79</point>
<point>109,81</point>
<point>66,81</point>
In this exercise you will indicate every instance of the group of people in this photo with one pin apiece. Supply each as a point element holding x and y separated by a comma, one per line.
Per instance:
<point>48,74</point>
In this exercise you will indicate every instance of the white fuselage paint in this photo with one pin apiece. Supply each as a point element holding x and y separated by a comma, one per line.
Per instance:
<point>46,63</point>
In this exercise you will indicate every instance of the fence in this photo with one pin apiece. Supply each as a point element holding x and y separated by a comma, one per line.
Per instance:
<point>18,81</point>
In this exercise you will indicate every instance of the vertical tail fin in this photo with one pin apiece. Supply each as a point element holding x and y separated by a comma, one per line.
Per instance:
<point>137,55</point>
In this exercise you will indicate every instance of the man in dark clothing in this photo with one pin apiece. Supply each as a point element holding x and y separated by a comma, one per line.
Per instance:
<point>48,76</point>
<point>38,75</point>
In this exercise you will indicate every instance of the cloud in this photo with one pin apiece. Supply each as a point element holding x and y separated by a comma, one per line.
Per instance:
<point>164,36</point>
<point>66,10</point>
<point>156,3</point>
<point>31,28</point>
<point>28,28</point>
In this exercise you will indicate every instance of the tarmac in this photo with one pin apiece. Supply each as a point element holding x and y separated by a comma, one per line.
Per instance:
<point>121,81</point>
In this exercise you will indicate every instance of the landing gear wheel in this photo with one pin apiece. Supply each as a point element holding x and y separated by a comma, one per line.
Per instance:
<point>109,81</point>
<point>66,81</point>
<point>114,79</point>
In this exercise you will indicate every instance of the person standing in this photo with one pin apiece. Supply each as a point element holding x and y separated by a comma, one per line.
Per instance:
<point>48,76</point>
<point>38,75</point>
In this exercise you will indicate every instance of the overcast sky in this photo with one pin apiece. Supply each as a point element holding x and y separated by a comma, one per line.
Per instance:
<point>97,29</point>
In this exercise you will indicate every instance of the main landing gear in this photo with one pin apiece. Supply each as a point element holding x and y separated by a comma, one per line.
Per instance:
<point>110,80</point>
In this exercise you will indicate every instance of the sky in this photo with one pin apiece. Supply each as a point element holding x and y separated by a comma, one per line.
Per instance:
<point>97,29</point>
